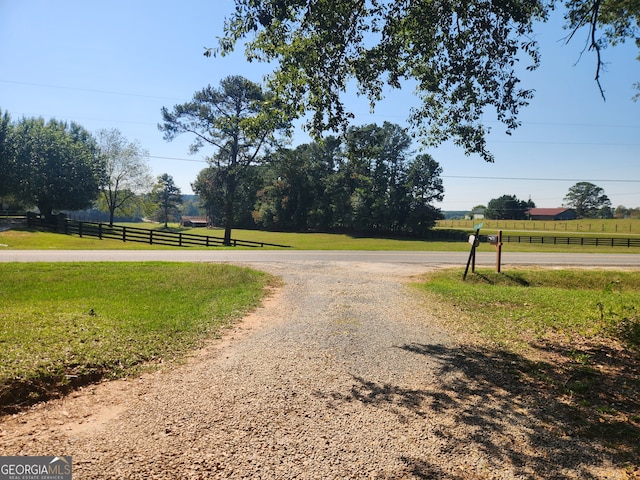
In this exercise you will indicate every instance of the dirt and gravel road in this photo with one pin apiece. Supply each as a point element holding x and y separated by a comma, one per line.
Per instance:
<point>341,374</point>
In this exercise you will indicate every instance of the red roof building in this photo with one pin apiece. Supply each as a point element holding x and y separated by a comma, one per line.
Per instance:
<point>552,214</point>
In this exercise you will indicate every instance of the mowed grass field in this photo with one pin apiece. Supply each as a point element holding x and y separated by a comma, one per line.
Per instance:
<point>66,324</point>
<point>616,226</point>
<point>25,239</point>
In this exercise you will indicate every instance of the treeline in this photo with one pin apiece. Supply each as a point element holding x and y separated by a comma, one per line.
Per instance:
<point>368,181</point>
<point>56,166</point>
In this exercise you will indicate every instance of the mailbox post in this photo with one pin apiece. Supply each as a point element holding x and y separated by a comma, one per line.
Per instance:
<point>474,240</point>
<point>496,241</point>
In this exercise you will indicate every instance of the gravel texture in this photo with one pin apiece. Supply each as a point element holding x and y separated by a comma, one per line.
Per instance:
<point>341,374</point>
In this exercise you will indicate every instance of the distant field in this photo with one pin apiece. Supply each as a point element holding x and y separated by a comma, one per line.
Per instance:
<point>591,226</point>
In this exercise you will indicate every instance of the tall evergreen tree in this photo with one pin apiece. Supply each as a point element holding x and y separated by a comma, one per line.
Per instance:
<point>240,121</point>
<point>7,160</point>
<point>167,198</point>
<point>508,207</point>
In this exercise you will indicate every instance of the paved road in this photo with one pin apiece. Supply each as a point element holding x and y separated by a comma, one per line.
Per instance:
<point>484,259</point>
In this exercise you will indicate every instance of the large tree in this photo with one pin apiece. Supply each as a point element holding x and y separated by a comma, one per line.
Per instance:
<point>424,187</point>
<point>589,201</point>
<point>239,120</point>
<point>166,198</point>
<point>210,186</point>
<point>377,159</point>
<point>126,173</point>
<point>463,56</point>
<point>508,207</point>
<point>300,189</point>
<point>58,165</point>
<point>368,183</point>
<point>7,167</point>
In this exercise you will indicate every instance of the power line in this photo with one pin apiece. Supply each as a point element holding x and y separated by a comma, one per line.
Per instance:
<point>179,159</point>
<point>89,90</point>
<point>538,142</point>
<point>370,114</point>
<point>540,179</point>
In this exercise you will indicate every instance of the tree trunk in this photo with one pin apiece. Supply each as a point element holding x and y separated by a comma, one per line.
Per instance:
<point>228,209</point>
<point>45,212</point>
<point>111,215</point>
<point>227,233</point>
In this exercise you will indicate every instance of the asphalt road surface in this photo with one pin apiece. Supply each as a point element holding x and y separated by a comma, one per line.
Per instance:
<point>483,259</point>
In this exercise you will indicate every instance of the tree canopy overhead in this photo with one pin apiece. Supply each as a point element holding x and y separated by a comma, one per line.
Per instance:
<point>463,55</point>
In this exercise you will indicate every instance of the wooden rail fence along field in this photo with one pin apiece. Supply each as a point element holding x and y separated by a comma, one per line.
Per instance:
<point>139,235</point>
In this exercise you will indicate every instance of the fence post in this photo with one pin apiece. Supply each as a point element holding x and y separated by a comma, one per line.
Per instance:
<point>100,231</point>
<point>124,234</point>
<point>80,229</point>
<point>150,237</point>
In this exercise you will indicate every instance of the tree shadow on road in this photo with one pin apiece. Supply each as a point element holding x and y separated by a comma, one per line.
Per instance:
<point>505,408</point>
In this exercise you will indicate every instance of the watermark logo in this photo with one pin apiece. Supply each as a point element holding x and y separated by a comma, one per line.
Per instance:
<point>35,468</point>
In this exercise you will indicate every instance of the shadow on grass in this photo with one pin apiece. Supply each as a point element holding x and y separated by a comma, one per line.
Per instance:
<point>450,236</point>
<point>18,394</point>
<point>518,413</point>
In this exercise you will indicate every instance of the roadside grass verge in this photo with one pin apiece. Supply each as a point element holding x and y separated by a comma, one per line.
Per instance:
<point>67,324</point>
<point>569,339</point>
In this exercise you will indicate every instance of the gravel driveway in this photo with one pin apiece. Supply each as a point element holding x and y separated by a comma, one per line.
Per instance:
<point>341,374</point>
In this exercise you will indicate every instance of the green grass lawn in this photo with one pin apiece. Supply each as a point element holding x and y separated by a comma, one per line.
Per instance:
<point>503,306</point>
<point>68,323</point>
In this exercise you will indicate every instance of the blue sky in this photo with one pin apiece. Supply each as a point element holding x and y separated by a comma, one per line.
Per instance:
<point>116,64</point>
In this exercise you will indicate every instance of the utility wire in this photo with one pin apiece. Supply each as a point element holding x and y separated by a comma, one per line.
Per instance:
<point>89,90</point>
<point>541,179</point>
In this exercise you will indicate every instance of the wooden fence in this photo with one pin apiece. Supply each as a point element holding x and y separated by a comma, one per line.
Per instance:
<point>139,235</point>
<point>460,235</point>
<point>178,239</point>
<point>585,241</point>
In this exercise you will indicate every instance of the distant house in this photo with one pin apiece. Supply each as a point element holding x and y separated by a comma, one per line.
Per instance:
<point>552,214</point>
<point>193,222</point>
<point>476,214</point>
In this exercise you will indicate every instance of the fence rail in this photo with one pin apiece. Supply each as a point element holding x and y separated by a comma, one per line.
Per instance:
<point>585,241</point>
<point>461,235</point>
<point>139,235</point>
